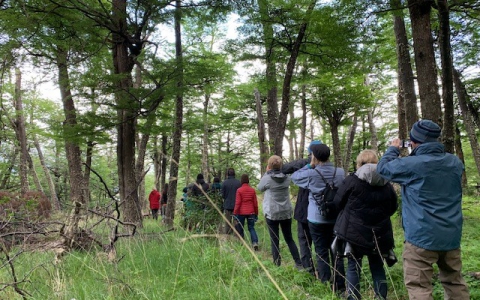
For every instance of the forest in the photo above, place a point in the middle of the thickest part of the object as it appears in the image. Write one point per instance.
(101, 100)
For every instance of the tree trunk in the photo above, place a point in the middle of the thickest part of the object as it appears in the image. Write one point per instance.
(425, 60)
(459, 153)
(163, 175)
(351, 138)
(177, 135)
(303, 128)
(72, 149)
(205, 169)
(336, 143)
(263, 145)
(51, 185)
(293, 154)
(448, 130)
(33, 173)
(467, 120)
(282, 118)
(123, 66)
(270, 72)
(407, 98)
(20, 132)
(373, 131)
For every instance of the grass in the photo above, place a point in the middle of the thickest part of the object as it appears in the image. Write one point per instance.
(160, 264)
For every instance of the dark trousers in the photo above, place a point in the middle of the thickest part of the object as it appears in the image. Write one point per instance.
(273, 229)
(322, 235)
(155, 214)
(354, 269)
(305, 243)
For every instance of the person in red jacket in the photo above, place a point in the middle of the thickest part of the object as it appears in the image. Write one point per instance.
(246, 208)
(154, 199)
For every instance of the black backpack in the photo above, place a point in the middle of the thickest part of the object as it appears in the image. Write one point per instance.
(324, 199)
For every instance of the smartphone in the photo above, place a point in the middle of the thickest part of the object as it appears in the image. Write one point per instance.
(405, 144)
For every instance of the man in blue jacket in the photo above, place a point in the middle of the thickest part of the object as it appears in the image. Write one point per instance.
(432, 218)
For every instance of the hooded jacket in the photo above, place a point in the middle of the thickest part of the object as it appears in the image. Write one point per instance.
(366, 201)
(309, 179)
(154, 199)
(431, 194)
(276, 200)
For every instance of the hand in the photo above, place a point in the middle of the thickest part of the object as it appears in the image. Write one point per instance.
(312, 162)
(396, 142)
(255, 218)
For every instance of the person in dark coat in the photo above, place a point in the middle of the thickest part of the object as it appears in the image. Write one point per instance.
(366, 202)
(229, 192)
(301, 210)
(199, 186)
(164, 200)
(216, 186)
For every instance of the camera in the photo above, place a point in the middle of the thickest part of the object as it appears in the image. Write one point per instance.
(405, 144)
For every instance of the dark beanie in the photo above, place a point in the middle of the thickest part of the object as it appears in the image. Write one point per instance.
(314, 142)
(425, 131)
(199, 176)
(320, 151)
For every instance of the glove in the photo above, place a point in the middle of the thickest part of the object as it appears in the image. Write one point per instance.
(255, 217)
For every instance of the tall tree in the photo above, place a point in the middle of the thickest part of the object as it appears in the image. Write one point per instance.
(21, 133)
(426, 67)
(177, 135)
(463, 96)
(406, 98)
(448, 130)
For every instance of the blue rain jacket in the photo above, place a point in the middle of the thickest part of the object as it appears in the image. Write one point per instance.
(431, 187)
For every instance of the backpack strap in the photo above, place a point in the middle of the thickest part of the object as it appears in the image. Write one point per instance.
(323, 178)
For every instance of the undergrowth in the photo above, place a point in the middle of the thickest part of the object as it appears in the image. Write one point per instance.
(162, 264)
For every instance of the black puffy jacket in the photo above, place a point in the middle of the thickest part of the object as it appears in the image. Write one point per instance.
(366, 202)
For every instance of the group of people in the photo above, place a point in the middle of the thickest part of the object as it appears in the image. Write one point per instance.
(431, 195)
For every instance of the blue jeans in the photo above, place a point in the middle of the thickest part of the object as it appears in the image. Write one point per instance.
(354, 270)
(273, 229)
(250, 224)
(322, 236)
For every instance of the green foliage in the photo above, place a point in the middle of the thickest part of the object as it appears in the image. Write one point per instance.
(179, 264)
(200, 213)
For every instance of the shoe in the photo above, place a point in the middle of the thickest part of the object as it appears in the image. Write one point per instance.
(255, 247)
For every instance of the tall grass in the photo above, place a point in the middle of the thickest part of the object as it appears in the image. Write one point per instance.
(161, 264)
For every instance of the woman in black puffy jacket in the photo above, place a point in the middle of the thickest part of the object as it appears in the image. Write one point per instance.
(367, 201)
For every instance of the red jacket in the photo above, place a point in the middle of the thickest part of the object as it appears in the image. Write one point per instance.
(154, 199)
(246, 201)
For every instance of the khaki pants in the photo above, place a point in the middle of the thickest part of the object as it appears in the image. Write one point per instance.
(418, 273)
